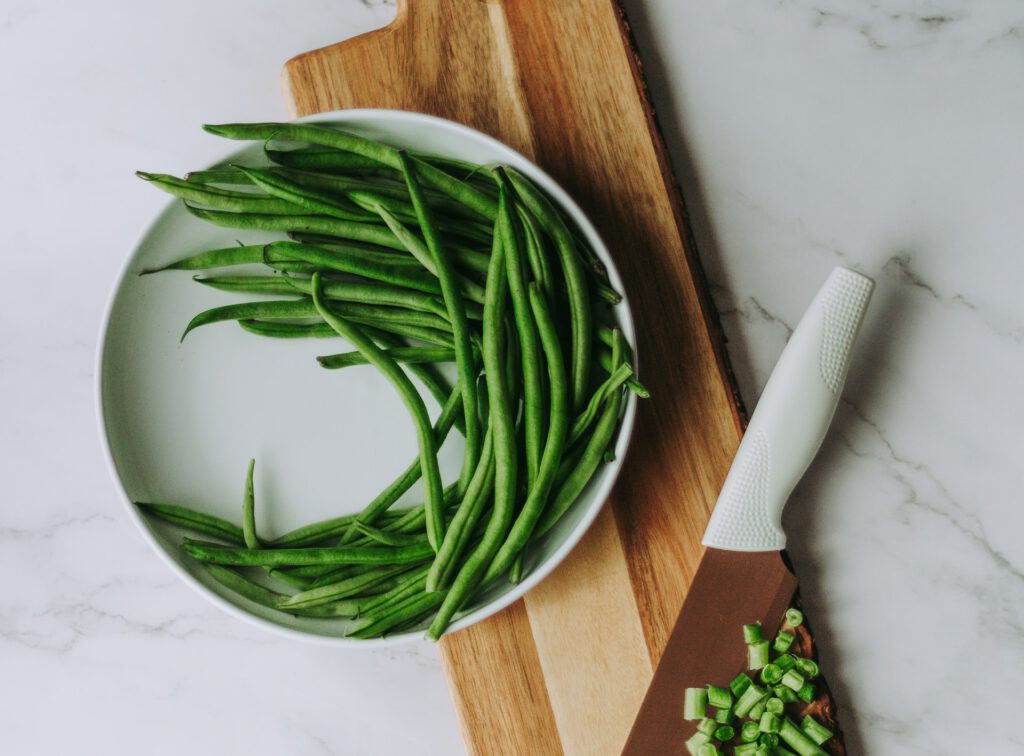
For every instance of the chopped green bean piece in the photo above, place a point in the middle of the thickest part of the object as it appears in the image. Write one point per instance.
(748, 700)
(793, 679)
(769, 740)
(725, 732)
(695, 702)
(794, 617)
(740, 683)
(808, 668)
(815, 730)
(758, 654)
(807, 692)
(784, 694)
(796, 739)
(785, 662)
(694, 744)
(720, 698)
(782, 642)
(771, 674)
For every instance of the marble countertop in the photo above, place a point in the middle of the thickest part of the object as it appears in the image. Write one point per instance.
(882, 136)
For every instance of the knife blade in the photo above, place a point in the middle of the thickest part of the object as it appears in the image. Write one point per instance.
(744, 575)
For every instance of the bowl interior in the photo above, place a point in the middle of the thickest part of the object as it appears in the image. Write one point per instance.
(181, 420)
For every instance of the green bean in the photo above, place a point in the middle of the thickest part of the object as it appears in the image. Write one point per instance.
(604, 358)
(587, 417)
(285, 330)
(386, 538)
(228, 176)
(342, 140)
(467, 515)
(515, 574)
(554, 444)
(416, 247)
(473, 260)
(308, 199)
(220, 199)
(509, 231)
(368, 252)
(433, 501)
(581, 473)
(216, 258)
(348, 608)
(539, 265)
(297, 308)
(451, 165)
(324, 574)
(341, 184)
(193, 520)
(347, 184)
(248, 284)
(245, 587)
(362, 232)
(329, 575)
(575, 280)
(340, 261)
(428, 374)
(410, 583)
(325, 529)
(291, 330)
(249, 510)
(411, 608)
(305, 308)
(607, 293)
(293, 581)
(371, 200)
(291, 266)
(502, 426)
(453, 288)
(273, 600)
(411, 522)
(230, 555)
(341, 589)
(426, 335)
(371, 293)
(311, 159)
(398, 354)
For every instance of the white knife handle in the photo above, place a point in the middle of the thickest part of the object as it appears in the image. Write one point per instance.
(791, 418)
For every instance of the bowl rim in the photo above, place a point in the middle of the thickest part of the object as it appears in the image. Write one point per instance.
(540, 571)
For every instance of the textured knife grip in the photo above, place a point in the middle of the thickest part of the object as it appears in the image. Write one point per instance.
(791, 418)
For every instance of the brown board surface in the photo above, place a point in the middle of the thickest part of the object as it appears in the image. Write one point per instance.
(565, 669)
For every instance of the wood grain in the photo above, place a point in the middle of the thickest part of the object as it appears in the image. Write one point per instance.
(565, 671)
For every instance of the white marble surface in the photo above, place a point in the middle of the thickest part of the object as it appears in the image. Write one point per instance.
(884, 136)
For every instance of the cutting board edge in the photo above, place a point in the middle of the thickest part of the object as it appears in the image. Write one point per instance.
(712, 319)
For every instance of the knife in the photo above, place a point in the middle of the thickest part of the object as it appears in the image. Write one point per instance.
(744, 575)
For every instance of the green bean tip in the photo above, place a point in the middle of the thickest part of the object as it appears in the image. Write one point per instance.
(638, 388)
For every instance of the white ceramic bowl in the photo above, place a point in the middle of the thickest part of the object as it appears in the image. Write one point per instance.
(180, 421)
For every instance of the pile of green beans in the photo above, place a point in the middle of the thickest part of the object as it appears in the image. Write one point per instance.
(414, 261)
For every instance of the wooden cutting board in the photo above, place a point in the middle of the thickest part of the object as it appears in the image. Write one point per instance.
(564, 670)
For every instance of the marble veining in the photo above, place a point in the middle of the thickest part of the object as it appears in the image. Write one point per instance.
(882, 136)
